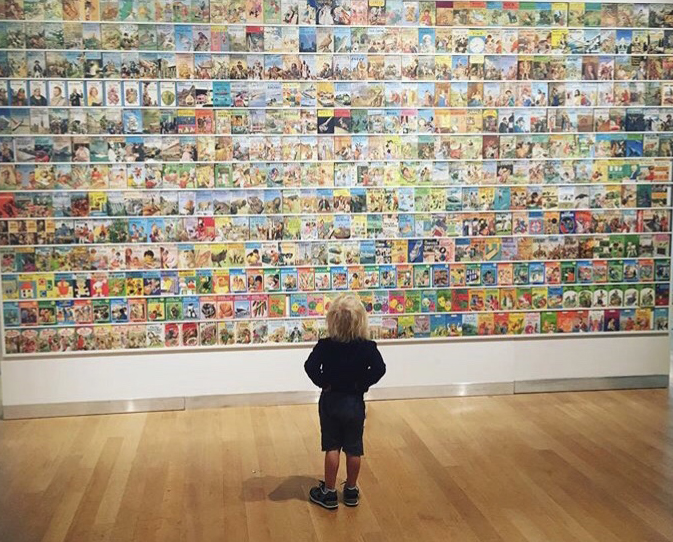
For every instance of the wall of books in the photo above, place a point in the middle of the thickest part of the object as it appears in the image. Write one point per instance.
(179, 174)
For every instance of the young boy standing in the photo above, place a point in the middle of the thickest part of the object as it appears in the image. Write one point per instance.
(344, 365)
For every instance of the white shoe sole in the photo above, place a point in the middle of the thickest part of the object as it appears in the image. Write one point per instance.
(326, 506)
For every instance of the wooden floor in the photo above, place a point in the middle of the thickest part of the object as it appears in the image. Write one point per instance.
(574, 466)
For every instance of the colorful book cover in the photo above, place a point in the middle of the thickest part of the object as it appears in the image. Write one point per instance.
(277, 306)
(421, 326)
(174, 308)
(65, 312)
(156, 309)
(101, 311)
(460, 300)
(44, 286)
(611, 320)
(83, 311)
(190, 308)
(405, 327)
(339, 278)
(516, 322)
(469, 324)
(396, 302)
(190, 334)
(381, 302)
(11, 314)
(428, 301)
(137, 310)
(412, 301)
(298, 305)
(316, 306)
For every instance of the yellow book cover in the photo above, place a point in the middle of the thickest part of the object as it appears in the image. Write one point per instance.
(98, 203)
(516, 323)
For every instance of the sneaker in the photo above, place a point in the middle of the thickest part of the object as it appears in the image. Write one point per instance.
(322, 496)
(351, 496)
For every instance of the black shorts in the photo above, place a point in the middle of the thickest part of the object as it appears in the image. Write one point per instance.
(342, 422)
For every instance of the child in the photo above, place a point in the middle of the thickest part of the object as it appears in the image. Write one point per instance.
(345, 365)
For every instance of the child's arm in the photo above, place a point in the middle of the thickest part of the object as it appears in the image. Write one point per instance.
(313, 366)
(376, 367)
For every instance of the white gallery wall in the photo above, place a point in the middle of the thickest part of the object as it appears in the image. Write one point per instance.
(250, 371)
(414, 367)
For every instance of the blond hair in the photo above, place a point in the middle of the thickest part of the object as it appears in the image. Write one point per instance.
(347, 319)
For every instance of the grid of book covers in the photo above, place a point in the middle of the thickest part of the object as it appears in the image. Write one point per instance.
(193, 173)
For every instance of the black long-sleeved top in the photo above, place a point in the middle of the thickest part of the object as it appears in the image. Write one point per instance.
(345, 366)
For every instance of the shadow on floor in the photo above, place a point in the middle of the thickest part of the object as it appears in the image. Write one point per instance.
(282, 489)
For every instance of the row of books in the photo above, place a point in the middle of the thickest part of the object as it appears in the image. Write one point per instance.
(392, 122)
(140, 310)
(31, 259)
(311, 67)
(259, 331)
(105, 284)
(330, 227)
(349, 12)
(160, 177)
(310, 201)
(105, 98)
(343, 148)
(339, 39)
(122, 310)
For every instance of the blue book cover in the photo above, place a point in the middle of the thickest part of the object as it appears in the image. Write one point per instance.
(65, 312)
(406, 226)
(221, 94)
(151, 283)
(489, 274)
(502, 198)
(237, 280)
(454, 324)
(241, 307)
(190, 308)
(388, 276)
(119, 311)
(438, 325)
(536, 272)
(339, 276)
(289, 279)
(298, 305)
(567, 222)
(367, 252)
(11, 314)
(428, 301)
(137, 230)
(440, 275)
(415, 251)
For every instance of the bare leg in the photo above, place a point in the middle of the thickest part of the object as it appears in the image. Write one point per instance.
(331, 468)
(352, 470)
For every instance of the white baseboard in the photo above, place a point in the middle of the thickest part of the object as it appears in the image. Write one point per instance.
(12, 412)
(591, 384)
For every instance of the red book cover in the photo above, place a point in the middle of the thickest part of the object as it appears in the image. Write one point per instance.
(172, 335)
(459, 300)
(501, 323)
(190, 334)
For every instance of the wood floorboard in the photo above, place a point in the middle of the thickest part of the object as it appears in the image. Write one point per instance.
(592, 466)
